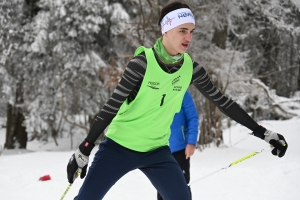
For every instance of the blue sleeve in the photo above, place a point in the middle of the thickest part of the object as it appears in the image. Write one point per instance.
(192, 119)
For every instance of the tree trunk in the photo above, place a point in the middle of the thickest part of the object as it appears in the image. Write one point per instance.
(9, 142)
(220, 37)
(211, 126)
(16, 135)
(21, 131)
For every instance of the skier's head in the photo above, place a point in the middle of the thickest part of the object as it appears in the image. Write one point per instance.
(177, 25)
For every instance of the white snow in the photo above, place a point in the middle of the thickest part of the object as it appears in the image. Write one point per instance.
(261, 177)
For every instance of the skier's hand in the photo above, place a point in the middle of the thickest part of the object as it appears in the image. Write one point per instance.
(79, 161)
(189, 150)
(275, 139)
(77, 164)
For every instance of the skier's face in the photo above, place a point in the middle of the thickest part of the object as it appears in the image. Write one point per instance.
(177, 40)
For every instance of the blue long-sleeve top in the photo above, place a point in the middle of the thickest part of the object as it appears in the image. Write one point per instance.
(184, 128)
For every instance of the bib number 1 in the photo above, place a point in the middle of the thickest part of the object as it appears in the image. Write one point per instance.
(162, 99)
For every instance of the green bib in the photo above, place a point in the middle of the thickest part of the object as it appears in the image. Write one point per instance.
(144, 124)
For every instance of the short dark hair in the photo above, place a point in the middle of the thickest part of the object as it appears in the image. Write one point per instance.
(169, 8)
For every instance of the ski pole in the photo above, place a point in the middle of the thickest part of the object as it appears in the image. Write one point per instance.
(231, 164)
(69, 186)
(64, 194)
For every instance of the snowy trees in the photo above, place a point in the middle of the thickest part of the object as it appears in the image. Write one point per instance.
(239, 42)
(60, 60)
(271, 33)
(52, 66)
(12, 72)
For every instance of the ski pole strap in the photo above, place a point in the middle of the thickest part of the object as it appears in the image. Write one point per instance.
(66, 191)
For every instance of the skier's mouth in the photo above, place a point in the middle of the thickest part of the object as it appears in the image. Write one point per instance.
(185, 45)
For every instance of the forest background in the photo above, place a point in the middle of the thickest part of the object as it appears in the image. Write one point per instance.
(60, 60)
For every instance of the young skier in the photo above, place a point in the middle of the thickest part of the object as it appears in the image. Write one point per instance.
(184, 135)
(141, 109)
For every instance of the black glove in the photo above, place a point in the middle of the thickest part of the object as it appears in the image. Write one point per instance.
(275, 139)
(79, 161)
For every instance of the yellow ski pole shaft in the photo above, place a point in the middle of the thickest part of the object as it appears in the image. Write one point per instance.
(233, 163)
(68, 188)
(243, 158)
(66, 191)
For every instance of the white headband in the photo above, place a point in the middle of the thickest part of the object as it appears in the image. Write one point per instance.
(176, 18)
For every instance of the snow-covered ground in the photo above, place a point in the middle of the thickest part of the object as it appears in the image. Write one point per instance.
(261, 177)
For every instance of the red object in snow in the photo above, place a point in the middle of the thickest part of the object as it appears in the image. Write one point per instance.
(45, 178)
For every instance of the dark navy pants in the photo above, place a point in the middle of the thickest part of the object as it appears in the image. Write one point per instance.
(184, 165)
(112, 161)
